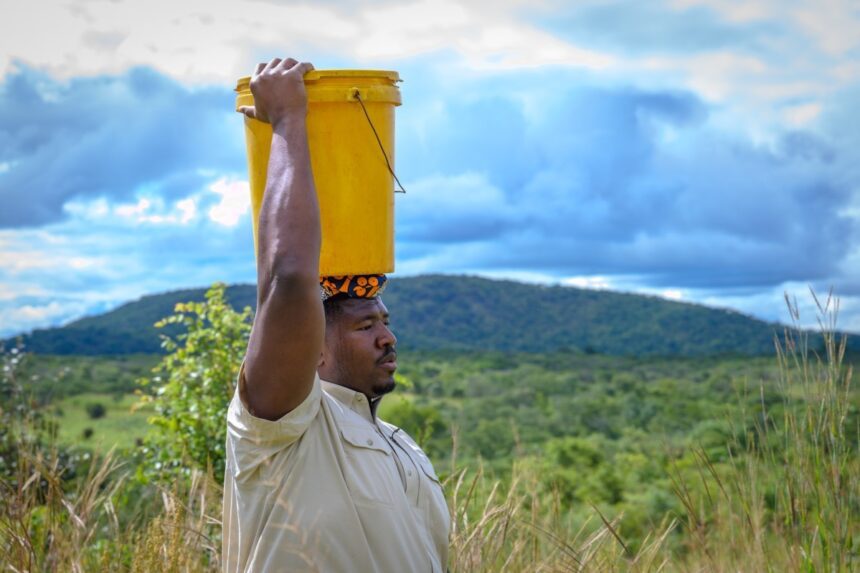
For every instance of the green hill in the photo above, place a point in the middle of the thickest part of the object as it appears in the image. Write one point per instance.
(439, 312)
(443, 312)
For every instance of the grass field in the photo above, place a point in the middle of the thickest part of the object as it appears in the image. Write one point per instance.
(119, 426)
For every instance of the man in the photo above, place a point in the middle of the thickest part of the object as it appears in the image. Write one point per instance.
(314, 481)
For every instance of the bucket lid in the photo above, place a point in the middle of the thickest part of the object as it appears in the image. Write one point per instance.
(244, 83)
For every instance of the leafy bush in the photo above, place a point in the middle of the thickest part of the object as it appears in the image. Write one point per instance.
(423, 422)
(192, 386)
(579, 470)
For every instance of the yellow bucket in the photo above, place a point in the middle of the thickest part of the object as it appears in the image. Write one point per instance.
(354, 184)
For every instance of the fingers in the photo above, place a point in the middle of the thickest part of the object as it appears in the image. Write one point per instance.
(286, 64)
(303, 68)
(249, 111)
(271, 65)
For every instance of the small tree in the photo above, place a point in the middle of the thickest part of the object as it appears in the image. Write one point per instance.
(192, 386)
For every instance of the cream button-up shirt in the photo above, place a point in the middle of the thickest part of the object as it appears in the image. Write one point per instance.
(329, 488)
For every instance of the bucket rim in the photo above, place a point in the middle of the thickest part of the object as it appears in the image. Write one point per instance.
(244, 83)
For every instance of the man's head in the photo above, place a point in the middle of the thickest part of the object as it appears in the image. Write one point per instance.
(359, 350)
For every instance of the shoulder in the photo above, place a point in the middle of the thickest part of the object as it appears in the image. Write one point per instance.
(391, 429)
(415, 450)
(338, 412)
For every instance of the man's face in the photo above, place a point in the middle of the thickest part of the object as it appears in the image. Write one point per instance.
(359, 348)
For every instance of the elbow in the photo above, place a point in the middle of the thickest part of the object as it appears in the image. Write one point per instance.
(291, 269)
(289, 261)
(286, 276)
(292, 281)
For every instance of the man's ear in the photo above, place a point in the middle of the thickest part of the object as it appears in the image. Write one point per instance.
(324, 354)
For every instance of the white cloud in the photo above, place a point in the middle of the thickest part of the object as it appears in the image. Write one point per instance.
(799, 116)
(518, 275)
(9, 291)
(234, 204)
(713, 75)
(205, 41)
(198, 41)
(624, 284)
(91, 210)
(732, 10)
(104, 254)
(14, 320)
(188, 209)
(135, 211)
(151, 210)
(18, 258)
(512, 47)
(833, 24)
(673, 294)
(84, 263)
(595, 282)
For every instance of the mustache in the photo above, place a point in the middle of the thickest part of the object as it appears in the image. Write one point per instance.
(391, 354)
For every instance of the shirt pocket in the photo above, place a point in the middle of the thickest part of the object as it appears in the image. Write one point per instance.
(370, 472)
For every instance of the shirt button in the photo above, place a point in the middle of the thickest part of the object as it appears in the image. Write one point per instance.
(409, 473)
(369, 442)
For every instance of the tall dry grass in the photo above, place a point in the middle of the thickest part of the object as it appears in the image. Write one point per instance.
(45, 527)
(520, 528)
(789, 500)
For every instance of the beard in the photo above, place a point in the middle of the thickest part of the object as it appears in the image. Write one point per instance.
(368, 383)
(384, 387)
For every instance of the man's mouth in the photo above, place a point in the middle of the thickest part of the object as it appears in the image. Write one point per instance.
(389, 361)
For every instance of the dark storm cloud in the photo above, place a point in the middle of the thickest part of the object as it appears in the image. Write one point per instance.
(107, 136)
(618, 181)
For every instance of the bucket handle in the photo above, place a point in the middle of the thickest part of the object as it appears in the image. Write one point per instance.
(356, 95)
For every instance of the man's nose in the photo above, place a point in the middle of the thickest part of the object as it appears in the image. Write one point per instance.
(387, 337)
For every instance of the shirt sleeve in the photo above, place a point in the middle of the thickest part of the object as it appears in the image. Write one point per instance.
(253, 441)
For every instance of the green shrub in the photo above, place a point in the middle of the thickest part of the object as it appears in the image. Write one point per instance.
(192, 386)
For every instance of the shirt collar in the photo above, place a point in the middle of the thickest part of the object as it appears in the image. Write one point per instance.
(355, 401)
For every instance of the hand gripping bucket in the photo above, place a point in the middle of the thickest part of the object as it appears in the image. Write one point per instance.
(352, 169)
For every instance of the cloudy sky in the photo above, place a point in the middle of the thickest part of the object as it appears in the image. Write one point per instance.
(702, 150)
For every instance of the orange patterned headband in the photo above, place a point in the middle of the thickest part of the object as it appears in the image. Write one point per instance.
(353, 286)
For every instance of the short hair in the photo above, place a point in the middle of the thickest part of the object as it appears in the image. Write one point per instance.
(333, 307)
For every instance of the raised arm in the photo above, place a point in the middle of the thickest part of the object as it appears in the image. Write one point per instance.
(289, 327)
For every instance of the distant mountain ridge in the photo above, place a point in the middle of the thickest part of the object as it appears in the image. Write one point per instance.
(444, 312)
